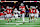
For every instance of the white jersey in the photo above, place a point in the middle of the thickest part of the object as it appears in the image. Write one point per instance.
(16, 15)
(37, 12)
(15, 11)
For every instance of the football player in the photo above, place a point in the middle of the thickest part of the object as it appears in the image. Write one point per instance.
(31, 12)
(22, 12)
(9, 11)
(37, 14)
(15, 13)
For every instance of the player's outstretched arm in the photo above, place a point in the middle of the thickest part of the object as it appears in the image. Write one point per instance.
(27, 7)
(4, 9)
(36, 6)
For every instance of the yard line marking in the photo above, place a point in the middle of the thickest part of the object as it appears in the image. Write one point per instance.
(12, 18)
(19, 25)
(32, 23)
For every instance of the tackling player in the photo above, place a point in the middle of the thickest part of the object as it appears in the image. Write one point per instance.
(8, 15)
(31, 13)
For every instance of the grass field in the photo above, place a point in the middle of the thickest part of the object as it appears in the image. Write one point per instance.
(14, 23)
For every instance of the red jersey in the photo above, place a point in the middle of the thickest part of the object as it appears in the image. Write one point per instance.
(32, 11)
(22, 9)
(35, 11)
(9, 11)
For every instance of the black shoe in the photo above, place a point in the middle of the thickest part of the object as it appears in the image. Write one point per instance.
(8, 21)
(11, 20)
(23, 22)
(15, 19)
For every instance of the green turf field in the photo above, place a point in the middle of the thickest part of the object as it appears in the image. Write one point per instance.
(14, 23)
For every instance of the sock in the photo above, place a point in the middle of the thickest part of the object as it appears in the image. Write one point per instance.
(23, 19)
(5, 19)
(29, 20)
(8, 20)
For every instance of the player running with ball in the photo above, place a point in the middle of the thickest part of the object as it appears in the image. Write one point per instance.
(22, 12)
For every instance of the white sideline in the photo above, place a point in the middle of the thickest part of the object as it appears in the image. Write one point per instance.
(3, 18)
(13, 23)
(19, 25)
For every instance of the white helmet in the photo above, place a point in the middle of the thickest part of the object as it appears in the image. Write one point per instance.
(26, 5)
(7, 7)
(15, 9)
(30, 6)
(33, 7)
(22, 4)
(10, 7)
